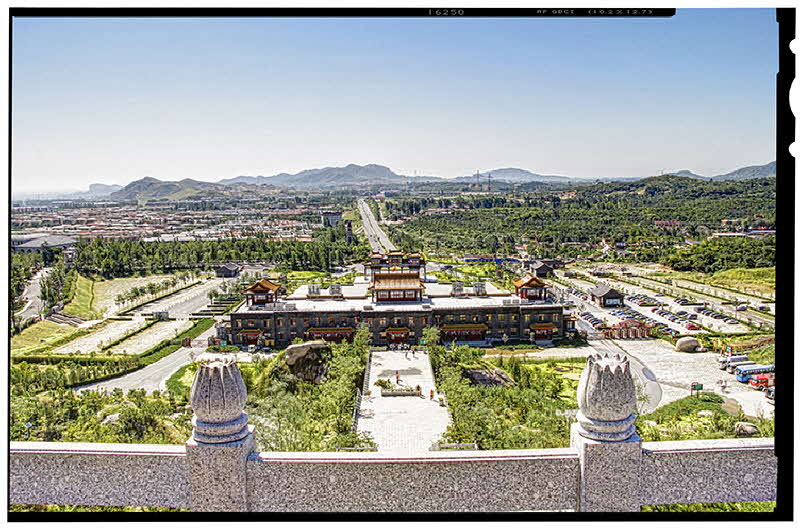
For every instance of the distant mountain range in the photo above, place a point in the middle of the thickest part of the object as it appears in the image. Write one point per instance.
(518, 175)
(350, 176)
(748, 172)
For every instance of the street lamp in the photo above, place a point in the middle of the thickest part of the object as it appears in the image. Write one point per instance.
(28, 427)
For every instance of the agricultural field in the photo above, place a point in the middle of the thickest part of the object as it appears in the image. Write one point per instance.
(151, 337)
(96, 341)
(38, 335)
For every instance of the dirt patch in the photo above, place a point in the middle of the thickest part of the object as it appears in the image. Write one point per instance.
(731, 406)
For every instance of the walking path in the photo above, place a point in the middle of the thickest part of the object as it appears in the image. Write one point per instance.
(155, 375)
(402, 425)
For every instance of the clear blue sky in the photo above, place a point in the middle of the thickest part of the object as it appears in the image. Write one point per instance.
(113, 100)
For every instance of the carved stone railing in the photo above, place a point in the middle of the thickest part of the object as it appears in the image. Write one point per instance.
(607, 467)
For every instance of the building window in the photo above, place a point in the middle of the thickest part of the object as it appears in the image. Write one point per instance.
(514, 317)
(527, 318)
(398, 321)
(382, 322)
(475, 318)
(462, 318)
(357, 319)
(449, 318)
(251, 322)
(410, 321)
(292, 322)
(279, 321)
(501, 317)
(305, 321)
(238, 323)
(267, 322)
(541, 318)
(331, 321)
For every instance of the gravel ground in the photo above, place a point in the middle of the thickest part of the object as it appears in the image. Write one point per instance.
(182, 304)
(151, 337)
(93, 342)
(106, 291)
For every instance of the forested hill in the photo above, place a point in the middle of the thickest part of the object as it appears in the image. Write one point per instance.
(651, 215)
(676, 187)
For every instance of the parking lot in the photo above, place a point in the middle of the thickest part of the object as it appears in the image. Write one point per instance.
(681, 315)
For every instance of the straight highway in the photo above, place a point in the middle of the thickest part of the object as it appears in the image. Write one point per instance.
(377, 238)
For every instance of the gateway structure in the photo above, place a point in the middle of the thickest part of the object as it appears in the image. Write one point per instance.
(397, 304)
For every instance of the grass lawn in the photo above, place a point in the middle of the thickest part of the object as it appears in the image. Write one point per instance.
(82, 304)
(180, 383)
(305, 275)
(39, 334)
(481, 271)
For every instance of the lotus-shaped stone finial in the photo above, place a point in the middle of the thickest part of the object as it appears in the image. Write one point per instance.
(217, 397)
(606, 399)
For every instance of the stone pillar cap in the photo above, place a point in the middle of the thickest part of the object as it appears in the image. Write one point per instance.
(217, 397)
(607, 398)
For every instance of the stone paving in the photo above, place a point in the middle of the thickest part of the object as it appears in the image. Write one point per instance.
(676, 371)
(402, 425)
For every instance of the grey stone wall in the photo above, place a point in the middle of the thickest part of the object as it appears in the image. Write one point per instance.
(714, 470)
(505, 480)
(148, 475)
(508, 480)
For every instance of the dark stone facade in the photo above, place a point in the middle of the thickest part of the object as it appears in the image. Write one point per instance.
(280, 326)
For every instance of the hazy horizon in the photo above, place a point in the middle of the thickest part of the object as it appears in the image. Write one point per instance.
(113, 100)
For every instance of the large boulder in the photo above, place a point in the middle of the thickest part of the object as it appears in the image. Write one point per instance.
(687, 344)
(489, 377)
(746, 429)
(306, 360)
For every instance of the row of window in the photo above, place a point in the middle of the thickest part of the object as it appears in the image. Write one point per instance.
(280, 322)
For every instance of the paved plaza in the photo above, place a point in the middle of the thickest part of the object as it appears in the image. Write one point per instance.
(402, 425)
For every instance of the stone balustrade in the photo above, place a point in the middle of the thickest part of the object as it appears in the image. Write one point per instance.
(607, 467)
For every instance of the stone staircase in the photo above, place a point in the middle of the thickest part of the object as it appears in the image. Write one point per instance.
(70, 320)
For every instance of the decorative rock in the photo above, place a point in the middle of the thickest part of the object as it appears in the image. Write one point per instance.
(489, 378)
(687, 344)
(705, 413)
(746, 429)
(305, 360)
(294, 352)
(607, 399)
(110, 419)
(217, 397)
(650, 423)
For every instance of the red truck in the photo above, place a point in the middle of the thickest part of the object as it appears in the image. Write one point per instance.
(761, 381)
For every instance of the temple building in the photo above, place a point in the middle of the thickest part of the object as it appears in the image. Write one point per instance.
(262, 292)
(396, 287)
(396, 304)
(394, 262)
(606, 297)
(530, 288)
